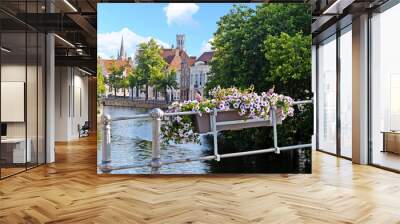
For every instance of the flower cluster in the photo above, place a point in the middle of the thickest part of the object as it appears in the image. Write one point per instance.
(179, 130)
(251, 105)
(247, 103)
(204, 106)
(282, 104)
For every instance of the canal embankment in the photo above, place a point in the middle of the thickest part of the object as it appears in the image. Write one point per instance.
(135, 103)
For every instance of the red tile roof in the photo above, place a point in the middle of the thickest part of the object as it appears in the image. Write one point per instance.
(206, 57)
(192, 60)
(106, 63)
(168, 55)
(174, 58)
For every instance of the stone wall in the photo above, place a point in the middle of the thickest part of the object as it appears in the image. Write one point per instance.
(127, 102)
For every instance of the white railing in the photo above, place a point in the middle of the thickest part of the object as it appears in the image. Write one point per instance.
(156, 115)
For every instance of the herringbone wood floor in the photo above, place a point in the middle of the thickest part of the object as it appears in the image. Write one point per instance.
(70, 191)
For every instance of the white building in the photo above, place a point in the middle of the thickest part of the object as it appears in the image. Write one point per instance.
(199, 72)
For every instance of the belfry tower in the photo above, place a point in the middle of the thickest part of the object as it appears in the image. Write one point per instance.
(180, 41)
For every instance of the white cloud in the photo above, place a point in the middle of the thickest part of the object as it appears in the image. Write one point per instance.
(180, 13)
(206, 46)
(108, 44)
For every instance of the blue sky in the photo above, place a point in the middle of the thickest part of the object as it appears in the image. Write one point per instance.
(139, 22)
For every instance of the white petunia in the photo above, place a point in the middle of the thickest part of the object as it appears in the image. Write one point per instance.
(178, 119)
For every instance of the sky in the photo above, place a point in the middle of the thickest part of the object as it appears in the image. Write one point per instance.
(138, 22)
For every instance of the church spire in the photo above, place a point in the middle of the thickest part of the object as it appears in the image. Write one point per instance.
(122, 52)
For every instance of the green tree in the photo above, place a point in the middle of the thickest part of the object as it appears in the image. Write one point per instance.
(150, 64)
(289, 59)
(239, 58)
(168, 81)
(101, 87)
(134, 81)
(269, 46)
(124, 84)
(116, 76)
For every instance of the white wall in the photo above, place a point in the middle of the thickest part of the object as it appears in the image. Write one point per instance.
(71, 102)
(81, 94)
(62, 81)
(12, 73)
(33, 126)
(198, 72)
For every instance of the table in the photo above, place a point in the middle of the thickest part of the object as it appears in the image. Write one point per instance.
(13, 150)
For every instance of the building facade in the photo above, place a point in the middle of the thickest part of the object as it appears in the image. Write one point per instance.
(178, 60)
(192, 72)
(199, 72)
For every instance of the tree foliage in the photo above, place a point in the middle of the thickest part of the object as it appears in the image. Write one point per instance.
(134, 81)
(288, 57)
(168, 81)
(124, 84)
(116, 76)
(101, 87)
(150, 70)
(150, 65)
(239, 43)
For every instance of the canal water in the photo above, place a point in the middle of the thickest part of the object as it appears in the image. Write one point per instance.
(131, 144)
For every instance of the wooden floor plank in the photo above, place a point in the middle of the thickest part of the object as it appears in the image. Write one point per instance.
(70, 191)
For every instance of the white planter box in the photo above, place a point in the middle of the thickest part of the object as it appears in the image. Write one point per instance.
(229, 120)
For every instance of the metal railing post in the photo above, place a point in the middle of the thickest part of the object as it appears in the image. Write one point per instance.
(156, 115)
(213, 122)
(106, 146)
(277, 150)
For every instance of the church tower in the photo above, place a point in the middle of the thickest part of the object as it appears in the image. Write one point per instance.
(122, 53)
(180, 41)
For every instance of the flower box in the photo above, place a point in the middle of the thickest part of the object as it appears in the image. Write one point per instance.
(237, 109)
(229, 120)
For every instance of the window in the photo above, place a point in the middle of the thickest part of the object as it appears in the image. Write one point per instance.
(327, 95)
(385, 89)
(346, 92)
(22, 75)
